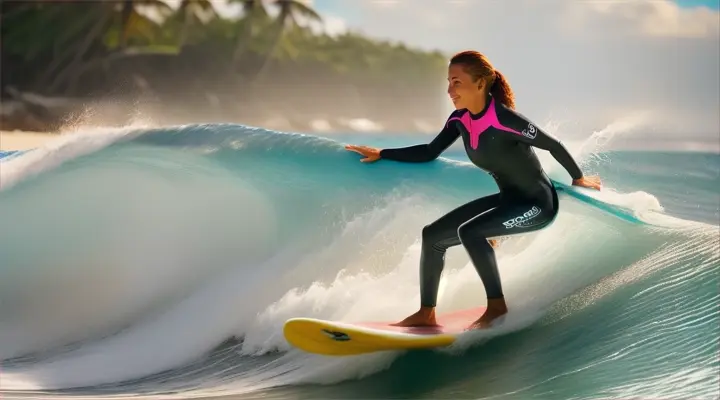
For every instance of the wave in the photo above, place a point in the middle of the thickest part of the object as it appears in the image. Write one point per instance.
(130, 257)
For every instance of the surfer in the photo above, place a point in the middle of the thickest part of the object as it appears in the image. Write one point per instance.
(500, 141)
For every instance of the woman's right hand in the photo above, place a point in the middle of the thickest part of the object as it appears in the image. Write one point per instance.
(592, 182)
(371, 154)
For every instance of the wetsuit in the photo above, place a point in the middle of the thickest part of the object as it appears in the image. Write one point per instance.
(499, 141)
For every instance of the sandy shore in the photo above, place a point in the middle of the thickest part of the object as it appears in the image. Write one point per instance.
(20, 140)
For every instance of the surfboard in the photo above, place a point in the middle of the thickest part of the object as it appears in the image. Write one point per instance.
(588, 196)
(337, 338)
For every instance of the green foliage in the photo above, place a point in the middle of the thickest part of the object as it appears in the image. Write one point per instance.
(57, 42)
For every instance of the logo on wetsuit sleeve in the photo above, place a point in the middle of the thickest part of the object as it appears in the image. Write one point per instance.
(530, 132)
(523, 220)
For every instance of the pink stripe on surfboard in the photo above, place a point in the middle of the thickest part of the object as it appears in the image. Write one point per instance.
(453, 322)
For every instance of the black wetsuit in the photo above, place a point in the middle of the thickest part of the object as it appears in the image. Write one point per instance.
(498, 140)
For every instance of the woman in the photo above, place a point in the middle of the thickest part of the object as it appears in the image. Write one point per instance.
(498, 140)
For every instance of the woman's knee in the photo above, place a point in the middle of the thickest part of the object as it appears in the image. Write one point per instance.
(437, 238)
(468, 233)
(428, 234)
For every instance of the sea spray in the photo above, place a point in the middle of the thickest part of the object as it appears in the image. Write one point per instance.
(199, 234)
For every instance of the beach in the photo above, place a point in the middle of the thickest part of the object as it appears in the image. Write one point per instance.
(22, 140)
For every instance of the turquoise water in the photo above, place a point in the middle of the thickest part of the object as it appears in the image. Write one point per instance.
(164, 261)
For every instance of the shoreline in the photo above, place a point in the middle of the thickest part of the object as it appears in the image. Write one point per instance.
(24, 140)
(13, 140)
(33, 113)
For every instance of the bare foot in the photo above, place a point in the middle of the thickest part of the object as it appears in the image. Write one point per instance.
(493, 243)
(424, 317)
(495, 308)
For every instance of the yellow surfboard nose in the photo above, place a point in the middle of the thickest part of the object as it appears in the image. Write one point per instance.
(344, 339)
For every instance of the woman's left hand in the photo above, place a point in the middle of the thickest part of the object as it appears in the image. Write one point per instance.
(371, 154)
(592, 182)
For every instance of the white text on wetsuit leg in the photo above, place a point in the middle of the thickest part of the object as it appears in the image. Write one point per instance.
(524, 219)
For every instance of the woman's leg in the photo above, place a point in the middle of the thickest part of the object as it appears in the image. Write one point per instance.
(437, 237)
(508, 219)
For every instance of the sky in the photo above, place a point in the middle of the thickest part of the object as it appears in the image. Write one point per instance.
(583, 64)
(715, 4)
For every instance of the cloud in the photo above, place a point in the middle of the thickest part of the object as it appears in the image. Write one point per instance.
(657, 18)
(588, 62)
(331, 25)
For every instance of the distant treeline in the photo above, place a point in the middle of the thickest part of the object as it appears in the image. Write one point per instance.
(261, 59)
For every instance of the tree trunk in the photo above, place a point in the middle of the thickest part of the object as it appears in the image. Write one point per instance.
(82, 51)
(244, 38)
(268, 57)
(187, 22)
(126, 13)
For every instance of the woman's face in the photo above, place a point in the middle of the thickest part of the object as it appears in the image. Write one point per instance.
(461, 88)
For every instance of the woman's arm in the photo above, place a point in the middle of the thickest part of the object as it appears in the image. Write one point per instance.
(424, 152)
(528, 133)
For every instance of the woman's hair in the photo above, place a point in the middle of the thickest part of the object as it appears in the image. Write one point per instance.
(479, 67)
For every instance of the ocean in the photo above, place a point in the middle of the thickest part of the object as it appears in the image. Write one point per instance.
(162, 262)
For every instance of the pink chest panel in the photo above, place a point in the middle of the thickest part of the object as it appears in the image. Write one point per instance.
(476, 127)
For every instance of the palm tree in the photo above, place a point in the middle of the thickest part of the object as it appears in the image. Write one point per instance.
(290, 10)
(253, 11)
(132, 24)
(190, 12)
(68, 34)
